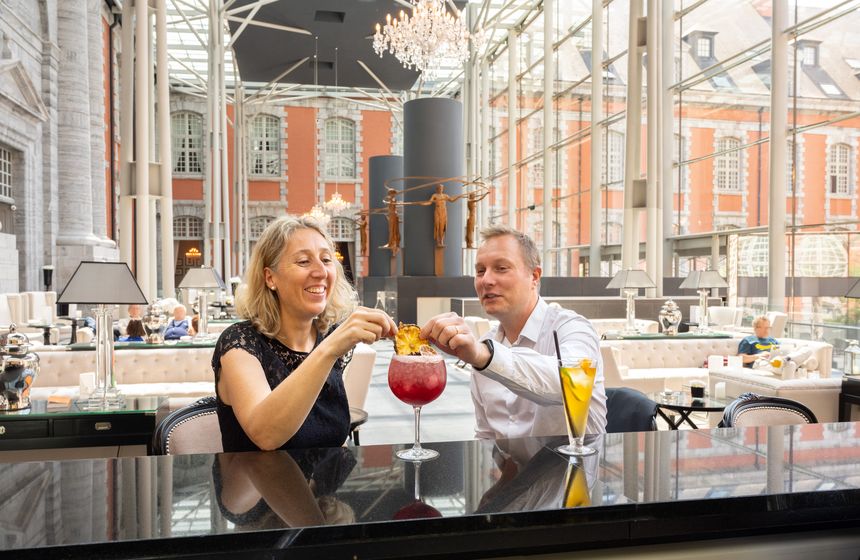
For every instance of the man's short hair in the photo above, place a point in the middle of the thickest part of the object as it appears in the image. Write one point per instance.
(759, 320)
(531, 254)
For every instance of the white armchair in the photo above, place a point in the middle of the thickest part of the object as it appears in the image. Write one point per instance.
(725, 317)
(777, 323)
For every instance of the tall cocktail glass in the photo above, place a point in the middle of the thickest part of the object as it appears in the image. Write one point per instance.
(577, 382)
(576, 486)
(417, 380)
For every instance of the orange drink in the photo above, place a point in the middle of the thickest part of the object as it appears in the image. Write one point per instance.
(577, 382)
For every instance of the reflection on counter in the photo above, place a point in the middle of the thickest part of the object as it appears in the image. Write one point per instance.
(67, 503)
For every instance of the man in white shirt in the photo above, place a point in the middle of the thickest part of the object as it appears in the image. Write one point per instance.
(516, 388)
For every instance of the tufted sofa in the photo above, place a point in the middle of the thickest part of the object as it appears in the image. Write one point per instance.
(821, 394)
(173, 372)
(653, 365)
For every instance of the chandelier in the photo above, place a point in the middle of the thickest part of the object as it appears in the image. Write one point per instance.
(336, 204)
(318, 214)
(427, 38)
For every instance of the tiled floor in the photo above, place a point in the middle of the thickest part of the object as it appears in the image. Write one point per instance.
(449, 418)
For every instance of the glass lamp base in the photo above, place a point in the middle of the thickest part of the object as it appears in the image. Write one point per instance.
(110, 399)
(572, 450)
(416, 454)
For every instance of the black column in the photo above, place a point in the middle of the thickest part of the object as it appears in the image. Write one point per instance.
(432, 146)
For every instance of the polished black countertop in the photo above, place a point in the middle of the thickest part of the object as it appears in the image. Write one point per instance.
(480, 498)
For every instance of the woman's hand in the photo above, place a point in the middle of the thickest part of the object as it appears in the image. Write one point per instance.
(363, 325)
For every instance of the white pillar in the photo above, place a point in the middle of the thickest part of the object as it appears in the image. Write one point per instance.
(630, 244)
(654, 244)
(165, 156)
(667, 72)
(549, 268)
(486, 118)
(73, 112)
(513, 114)
(778, 138)
(227, 270)
(126, 135)
(596, 134)
(97, 118)
(141, 146)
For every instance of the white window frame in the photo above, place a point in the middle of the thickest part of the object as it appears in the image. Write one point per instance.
(187, 143)
(340, 148)
(705, 47)
(839, 169)
(258, 224)
(187, 227)
(5, 173)
(727, 166)
(265, 146)
(341, 229)
(809, 55)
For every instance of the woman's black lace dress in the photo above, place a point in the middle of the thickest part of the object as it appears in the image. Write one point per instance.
(327, 423)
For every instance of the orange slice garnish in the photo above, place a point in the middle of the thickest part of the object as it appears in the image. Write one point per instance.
(408, 342)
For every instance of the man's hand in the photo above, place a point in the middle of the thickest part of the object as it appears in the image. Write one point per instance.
(450, 333)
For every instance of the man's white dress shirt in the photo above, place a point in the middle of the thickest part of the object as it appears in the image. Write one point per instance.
(519, 393)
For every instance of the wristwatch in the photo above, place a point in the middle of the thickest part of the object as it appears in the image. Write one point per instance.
(490, 347)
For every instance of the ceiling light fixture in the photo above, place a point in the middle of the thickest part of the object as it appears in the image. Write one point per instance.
(428, 38)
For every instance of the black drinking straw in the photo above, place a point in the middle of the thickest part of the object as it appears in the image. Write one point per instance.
(557, 348)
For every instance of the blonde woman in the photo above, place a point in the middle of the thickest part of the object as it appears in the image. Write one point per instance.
(278, 374)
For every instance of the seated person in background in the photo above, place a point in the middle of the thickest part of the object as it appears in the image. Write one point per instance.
(121, 326)
(758, 345)
(279, 373)
(179, 326)
(515, 383)
(134, 332)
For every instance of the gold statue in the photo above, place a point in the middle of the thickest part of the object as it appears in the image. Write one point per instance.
(440, 212)
(472, 207)
(361, 224)
(393, 244)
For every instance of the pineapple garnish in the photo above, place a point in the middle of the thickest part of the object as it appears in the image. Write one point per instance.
(408, 342)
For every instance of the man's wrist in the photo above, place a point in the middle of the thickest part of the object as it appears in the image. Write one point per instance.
(491, 351)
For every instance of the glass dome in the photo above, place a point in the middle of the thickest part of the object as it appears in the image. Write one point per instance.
(822, 255)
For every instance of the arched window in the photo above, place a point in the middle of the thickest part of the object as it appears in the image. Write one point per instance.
(839, 169)
(257, 225)
(186, 131)
(339, 148)
(727, 166)
(187, 227)
(341, 229)
(265, 145)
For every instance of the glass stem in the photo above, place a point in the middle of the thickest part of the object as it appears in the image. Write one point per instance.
(417, 444)
(417, 481)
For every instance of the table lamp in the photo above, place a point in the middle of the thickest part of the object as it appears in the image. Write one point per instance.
(202, 279)
(703, 281)
(629, 281)
(103, 284)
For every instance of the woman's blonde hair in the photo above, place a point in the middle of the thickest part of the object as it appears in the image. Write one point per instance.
(257, 303)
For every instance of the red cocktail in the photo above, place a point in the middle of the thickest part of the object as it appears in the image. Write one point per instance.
(417, 380)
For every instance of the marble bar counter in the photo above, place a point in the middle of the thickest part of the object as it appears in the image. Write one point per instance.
(791, 489)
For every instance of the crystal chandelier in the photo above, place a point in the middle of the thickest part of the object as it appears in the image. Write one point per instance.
(336, 204)
(430, 36)
(318, 214)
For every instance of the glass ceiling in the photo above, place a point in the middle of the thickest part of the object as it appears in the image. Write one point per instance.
(188, 30)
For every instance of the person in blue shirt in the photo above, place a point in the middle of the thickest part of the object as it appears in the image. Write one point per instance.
(758, 345)
(179, 326)
(134, 332)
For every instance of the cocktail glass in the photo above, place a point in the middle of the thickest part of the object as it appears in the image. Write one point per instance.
(417, 380)
(577, 382)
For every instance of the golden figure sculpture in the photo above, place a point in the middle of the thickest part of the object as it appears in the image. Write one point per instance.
(361, 224)
(393, 223)
(472, 207)
(440, 212)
